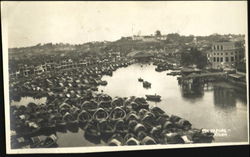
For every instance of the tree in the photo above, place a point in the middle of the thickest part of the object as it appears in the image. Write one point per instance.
(194, 56)
(157, 33)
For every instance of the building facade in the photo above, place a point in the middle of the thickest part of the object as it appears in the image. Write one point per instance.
(226, 54)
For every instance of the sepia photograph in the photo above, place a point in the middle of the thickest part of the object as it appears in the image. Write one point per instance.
(83, 76)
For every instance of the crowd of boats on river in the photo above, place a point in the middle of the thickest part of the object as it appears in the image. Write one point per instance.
(74, 102)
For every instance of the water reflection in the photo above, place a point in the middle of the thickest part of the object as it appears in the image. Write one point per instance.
(192, 88)
(224, 97)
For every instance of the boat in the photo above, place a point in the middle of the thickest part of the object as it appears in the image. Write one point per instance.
(105, 105)
(84, 117)
(117, 114)
(116, 140)
(132, 141)
(92, 130)
(120, 127)
(155, 98)
(90, 106)
(35, 142)
(140, 79)
(148, 141)
(117, 102)
(70, 120)
(100, 115)
(30, 129)
(106, 129)
(146, 84)
(103, 83)
(50, 141)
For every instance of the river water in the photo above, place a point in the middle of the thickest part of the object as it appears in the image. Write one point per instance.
(216, 107)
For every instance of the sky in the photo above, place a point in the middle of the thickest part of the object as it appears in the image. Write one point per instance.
(30, 23)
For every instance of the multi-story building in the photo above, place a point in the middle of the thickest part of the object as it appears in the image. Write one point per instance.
(226, 54)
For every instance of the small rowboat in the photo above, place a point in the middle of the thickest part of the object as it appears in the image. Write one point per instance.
(155, 98)
(140, 79)
(146, 84)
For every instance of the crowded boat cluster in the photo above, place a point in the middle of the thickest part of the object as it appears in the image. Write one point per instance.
(116, 121)
(74, 102)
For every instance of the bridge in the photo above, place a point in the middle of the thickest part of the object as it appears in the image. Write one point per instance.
(204, 75)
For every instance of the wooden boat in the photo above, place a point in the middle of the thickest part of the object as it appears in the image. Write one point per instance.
(116, 140)
(106, 129)
(35, 142)
(70, 120)
(28, 130)
(132, 141)
(120, 127)
(146, 84)
(49, 142)
(173, 138)
(141, 135)
(84, 117)
(103, 83)
(117, 102)
(140, 79)
(132, 124)
(132, 116)
(92, 130)
(117, 114)
(105, 105)
(148, 141)
(155, 98)
(157, 111)
(184, 124)
(139, 127)
(100, 115)
(104, 97)
(201, 137)
(90, 106)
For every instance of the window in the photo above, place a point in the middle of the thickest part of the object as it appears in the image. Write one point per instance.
(226, 59)
(221, 47)
(232, 53)
(218, 59)
(226, 53)
(214, 47)
(221, 59)
(214, 59)
(218, 47)
(221, 54)
(232, 59)
(218, 54)
(236, 57)
(214, 53)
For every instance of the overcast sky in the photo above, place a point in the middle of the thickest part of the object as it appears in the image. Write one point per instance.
(30, 23)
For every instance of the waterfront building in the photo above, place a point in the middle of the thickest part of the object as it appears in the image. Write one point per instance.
(226, 54)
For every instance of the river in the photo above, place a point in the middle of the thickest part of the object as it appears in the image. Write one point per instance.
(216, 107)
